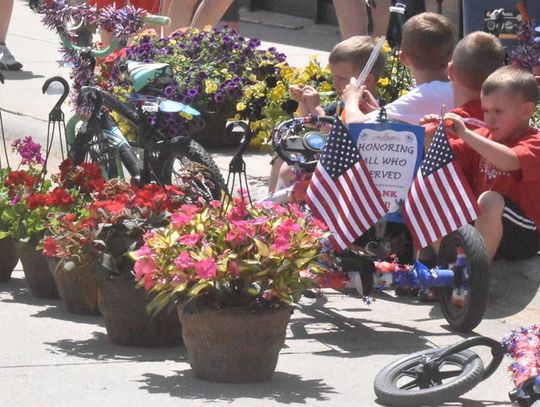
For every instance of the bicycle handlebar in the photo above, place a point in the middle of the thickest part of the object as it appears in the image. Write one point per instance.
(95, 53)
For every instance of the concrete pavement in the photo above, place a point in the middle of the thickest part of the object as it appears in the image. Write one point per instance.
(334, 348)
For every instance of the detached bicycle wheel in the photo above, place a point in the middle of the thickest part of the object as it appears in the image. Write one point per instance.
(187, 152)
(464, 304)
(413, 381)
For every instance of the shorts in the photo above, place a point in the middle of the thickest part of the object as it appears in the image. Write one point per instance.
(520, 237)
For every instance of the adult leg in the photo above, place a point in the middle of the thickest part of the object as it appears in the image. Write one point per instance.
(352, 17)
(7, 61)
(489, 223)
(180, 13)
(209, 12)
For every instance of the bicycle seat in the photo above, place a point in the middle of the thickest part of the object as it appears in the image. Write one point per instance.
(141, 74)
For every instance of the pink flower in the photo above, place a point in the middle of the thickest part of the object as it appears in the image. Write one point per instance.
(286, 228)
(184, 261)
(232, 268)
(205, 268)
(215, 204)
(280, 245)
(143, 270)
(144, 251)
(296, 211)
(180, 219)
(189, 240)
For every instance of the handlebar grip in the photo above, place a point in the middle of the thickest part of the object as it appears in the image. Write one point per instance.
(157, 20)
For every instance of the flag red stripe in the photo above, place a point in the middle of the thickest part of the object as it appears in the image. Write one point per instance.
(426, 217)
(452, 215)
(466, 191)
(319, 204)
(358, 198)
(435, 212)
(419, 230)
(458, 198)
(339, 200)
(376, 205)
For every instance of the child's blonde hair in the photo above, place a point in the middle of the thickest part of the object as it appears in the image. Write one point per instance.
(427, 41)
(356, 51)
(512, 79)
(476, 57)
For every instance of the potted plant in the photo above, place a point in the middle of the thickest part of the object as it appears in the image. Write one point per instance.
(114, 224)
(7, 244)
(74, 280)
(210, 70)
(234, 273)
(26, 201)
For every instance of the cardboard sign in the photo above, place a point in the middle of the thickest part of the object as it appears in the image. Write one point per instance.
(392, 153)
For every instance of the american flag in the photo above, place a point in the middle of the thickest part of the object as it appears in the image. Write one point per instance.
(341, 192)
(440, 199)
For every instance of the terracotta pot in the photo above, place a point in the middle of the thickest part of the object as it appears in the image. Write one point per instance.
(9, 258)
(77, 288)
(234, 345)
(124, 308)
(36, 271)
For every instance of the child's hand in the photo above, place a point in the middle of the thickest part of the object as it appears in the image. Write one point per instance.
(454, 123)
(351, 94)
(368, 103)
(429, 122)
(311, 98)
(296, 92)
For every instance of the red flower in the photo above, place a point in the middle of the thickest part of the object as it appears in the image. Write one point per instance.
(64, 168)
(58, 197)
(15, 178)
(36, 201)
(49, 247)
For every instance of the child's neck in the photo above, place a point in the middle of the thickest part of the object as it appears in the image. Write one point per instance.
(426, 76)
(462, 94)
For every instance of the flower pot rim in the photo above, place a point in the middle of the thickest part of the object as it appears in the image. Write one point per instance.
(235, 309)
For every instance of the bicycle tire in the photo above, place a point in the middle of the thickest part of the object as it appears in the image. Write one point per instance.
(92, 148)
(466, 317)
(432, 390)
(193, 152)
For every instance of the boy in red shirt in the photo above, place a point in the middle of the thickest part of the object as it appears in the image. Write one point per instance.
(502, 163)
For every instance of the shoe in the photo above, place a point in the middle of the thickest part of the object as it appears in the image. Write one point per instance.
(7, 60)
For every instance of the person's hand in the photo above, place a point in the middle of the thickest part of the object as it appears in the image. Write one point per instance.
(351, 94)
(296, 92)
(311, 98)
(454, 123)
(429, 122)
(368, 103)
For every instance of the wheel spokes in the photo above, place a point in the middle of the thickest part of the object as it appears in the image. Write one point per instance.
(449, 374)
(411, 385)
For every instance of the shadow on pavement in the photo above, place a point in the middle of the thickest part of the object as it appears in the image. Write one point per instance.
(20, 293)
(463, 402)
(100, 348)
(19, 75)
(283, 388)
(514, 288)
(350, 337)
(58, 312)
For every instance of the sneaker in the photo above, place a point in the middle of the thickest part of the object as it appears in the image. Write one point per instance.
(7, 60)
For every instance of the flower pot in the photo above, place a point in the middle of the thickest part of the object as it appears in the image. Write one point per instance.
(9, 258)
(36, 271)
(77, 288)
(234, 345)
(127, 322)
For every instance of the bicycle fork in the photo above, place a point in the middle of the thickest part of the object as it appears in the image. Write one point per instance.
(114, 137)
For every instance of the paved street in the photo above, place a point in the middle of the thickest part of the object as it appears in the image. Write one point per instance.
(334, 348)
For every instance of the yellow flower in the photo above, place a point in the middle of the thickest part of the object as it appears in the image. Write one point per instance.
(383, 82)
(303, 78)
(402, 92)
(325, 87)
(277, 93)
(210, 87)
(240, 106)
(386, 47)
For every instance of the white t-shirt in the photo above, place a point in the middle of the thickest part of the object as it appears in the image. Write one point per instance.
(421, 100)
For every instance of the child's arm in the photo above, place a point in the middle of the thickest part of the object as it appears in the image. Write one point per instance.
(501, 156)
(313, 101)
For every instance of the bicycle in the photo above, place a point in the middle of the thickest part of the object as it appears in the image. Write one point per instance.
(460, 273)
(99, 139)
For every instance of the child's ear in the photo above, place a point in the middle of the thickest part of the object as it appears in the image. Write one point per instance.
(403, 58)
(451, 71)
(528, 109)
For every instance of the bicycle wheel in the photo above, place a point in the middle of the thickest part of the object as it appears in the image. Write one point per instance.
(187, 152)
(412, 381)
(464, 304)
(91, 147)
